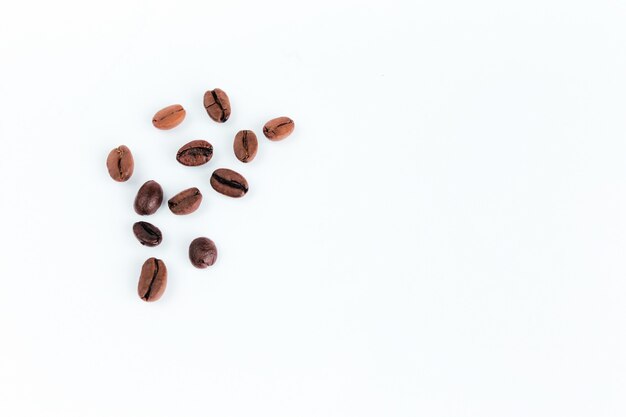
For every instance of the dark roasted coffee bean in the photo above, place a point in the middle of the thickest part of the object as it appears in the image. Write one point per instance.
(279, 128)
(169, 117)
(149, 198)
(120, 163)
(147, 234)
(228, 182)
(186, 201)
(196, 152)
(202, 252)
(217, 105)
(245, 145)
(153, 280)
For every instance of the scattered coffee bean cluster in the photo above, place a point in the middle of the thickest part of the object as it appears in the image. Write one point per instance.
(202, 250)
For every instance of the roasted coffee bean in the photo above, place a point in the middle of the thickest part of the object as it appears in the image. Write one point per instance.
(186, 201)
(169, 117)
(202, 252)
(245, 145)
(149, 198)
(228, 182)
(217, 105)
(153, 280)
(120, 163)
(279, 128)
(196, 152)
(147, 234)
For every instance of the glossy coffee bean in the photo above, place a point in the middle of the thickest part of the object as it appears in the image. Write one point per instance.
(185, 202)
(229, 182)
(120, 164)
(169, 117)
(202, 252)
(217, 105)
(149, 198)
(245, 145)
(279, 128)
(152, 280)
(195, 153)
(147, 234)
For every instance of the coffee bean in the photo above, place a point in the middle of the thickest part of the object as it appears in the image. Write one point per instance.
(217, 105)
(279, 128)
(169, 117)
(185, 202)
(149, 198)
(196, 152)
(147, 234)
(245, 145)
(228, 182)
(202, 252)
(153, 280)
(120, 164)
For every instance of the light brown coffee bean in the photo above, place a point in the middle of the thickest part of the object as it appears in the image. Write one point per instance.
(195, 153)
(217, 105)
(120, 163)
(169, 117)
(245, 145)
(279, 128)
(185, 202)
(152, 280)
(228, 182)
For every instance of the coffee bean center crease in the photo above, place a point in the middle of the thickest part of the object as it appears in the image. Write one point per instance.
(156, 272)
(196, 152)
(174, 204)
(119, 163)
(219, 104)
(267, 130)
(244, 139)
(148, 230)
(230, 183)
(165, 116)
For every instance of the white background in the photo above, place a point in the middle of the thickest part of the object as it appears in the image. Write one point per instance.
(442, 235)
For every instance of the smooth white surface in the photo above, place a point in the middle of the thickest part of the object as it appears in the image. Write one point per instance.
(443, 234)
